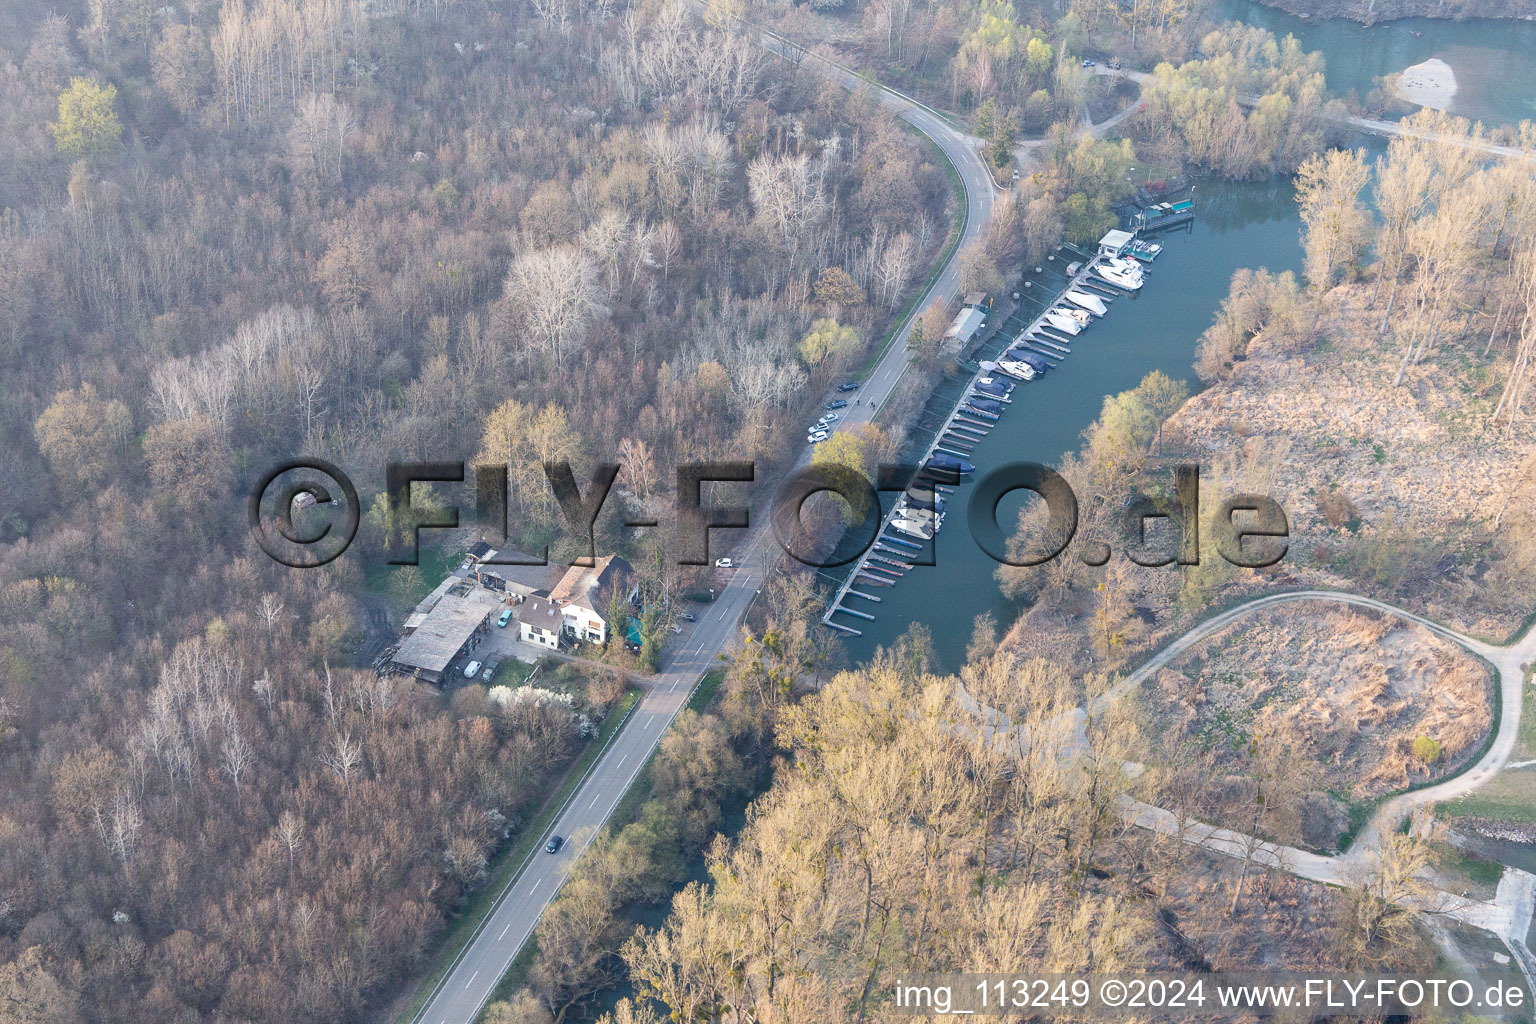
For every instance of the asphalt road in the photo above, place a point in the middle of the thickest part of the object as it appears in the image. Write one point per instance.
(469, 983)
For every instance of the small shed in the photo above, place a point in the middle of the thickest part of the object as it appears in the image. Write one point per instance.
(967, 322)
(978, 300)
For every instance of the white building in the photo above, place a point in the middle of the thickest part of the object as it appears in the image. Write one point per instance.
(539, 622)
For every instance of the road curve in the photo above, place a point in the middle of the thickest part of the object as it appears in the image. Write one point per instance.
(478, 969)
(1508, 661)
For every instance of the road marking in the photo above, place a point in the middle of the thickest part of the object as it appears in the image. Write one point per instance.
(621, 762)
(535, 888)
(595, 799)
(503, 933)
(472, 978)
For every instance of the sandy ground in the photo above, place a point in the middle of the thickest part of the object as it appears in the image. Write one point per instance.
(1430, 84)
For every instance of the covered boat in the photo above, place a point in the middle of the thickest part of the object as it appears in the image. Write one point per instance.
(944, 462)
(1082, 300)
(1065, 324)
(1034, 359)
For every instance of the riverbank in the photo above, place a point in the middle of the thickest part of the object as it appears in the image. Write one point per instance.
(1389, 491)
(1371, 12)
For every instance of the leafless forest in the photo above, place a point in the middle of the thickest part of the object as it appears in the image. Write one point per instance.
(231, 234)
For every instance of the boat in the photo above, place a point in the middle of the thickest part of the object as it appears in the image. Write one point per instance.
(1081, 316)
(980, 395)
(948, 464)
(1082, 300)
(912, 528)
(994, 387)
(922, 515)
(987, 405)
(1034, 359)
(919, 497)
(1062, 323)
(1019, 369)
(1146, 252)
(1161, 216)
(1120, 278)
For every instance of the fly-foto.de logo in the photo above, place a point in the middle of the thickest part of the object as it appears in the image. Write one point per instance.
(305, 512)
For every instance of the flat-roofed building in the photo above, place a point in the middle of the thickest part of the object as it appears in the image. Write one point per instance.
(440, 632)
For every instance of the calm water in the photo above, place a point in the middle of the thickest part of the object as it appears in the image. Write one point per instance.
(1238, 225)
(1249, 224)
(1494, 61)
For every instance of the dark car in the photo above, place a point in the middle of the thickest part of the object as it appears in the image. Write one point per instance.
(1114, 65)
(837, 403)
(554, 844)
(848, 385)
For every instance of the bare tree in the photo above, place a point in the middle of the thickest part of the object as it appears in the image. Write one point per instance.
(554, 293)
(237, 757)
(290, 832)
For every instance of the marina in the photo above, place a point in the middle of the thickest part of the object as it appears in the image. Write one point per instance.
(1085, 294)
(1153, 329)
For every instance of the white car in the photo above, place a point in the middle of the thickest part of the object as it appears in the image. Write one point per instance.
(677, 629)
(724, 563)
(830, 417)
(816, 437)
(470, 669)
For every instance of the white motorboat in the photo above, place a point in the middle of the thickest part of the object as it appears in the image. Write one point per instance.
(1119, 277)
(912, 528)
(1080, 315)
(920, 515)
(1064, 324)
(1015, 368)
(1082, 300)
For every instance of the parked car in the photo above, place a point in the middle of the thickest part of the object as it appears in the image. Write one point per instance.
(837, 403)
(724, 563)
(506, 617)
(677, 629)
(831, 417)
(1114, 65)
(690, 617)
(554, 844)
(816, 437)
(470, 669)
(1087, 63)
(489, 672)
(848, 385)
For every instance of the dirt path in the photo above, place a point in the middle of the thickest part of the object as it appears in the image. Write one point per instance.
(1508, 915)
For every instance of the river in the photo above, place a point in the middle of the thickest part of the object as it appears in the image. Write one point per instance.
(1248, 224)
(1238, 225)
(1494, 61)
